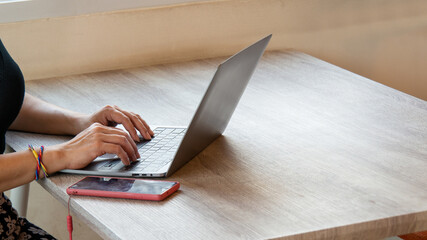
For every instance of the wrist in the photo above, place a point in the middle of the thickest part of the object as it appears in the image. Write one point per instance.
(53, 159)
(80, 122)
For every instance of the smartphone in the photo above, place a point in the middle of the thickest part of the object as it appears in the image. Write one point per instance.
(141, 189)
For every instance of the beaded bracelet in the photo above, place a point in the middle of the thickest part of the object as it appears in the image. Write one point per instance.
(38, 158)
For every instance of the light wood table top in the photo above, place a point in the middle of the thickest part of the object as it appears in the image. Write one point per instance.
(312, 152)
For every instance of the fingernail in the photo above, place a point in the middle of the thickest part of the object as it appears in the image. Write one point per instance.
(139, 156)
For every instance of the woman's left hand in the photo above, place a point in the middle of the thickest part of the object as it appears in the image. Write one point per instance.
(113, 115)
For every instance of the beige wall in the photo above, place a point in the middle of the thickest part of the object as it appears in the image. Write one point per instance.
(384, 40)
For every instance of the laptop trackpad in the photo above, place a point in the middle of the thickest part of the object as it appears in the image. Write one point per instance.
(111, 165)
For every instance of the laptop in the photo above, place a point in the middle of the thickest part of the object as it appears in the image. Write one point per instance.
(172, 147)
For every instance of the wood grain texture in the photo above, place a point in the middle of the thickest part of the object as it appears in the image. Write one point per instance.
(312, 152)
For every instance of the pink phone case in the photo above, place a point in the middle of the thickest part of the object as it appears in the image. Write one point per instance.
(139, 196)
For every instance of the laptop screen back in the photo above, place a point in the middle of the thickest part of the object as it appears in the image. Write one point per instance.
(219, 102)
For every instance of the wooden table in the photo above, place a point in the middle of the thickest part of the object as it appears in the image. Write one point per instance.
(312, 152)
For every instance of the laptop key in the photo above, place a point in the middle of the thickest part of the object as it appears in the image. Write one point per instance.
(158, 151)
(178, 130)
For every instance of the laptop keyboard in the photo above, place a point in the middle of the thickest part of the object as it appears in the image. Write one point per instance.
(158, 151)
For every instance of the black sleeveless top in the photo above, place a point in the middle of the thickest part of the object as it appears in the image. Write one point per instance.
(12, 90)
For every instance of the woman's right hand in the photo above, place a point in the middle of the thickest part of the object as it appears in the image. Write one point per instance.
(95, 141)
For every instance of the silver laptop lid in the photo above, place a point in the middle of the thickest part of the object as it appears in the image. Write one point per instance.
(219, 102)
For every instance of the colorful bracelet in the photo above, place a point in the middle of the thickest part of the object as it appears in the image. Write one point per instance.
(38, 158)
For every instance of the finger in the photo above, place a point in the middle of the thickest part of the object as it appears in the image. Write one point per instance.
(121, 118)
(114, 149)
(136, 120)
(110, 130)
(119, 140)
(145, 124)
(141, 127)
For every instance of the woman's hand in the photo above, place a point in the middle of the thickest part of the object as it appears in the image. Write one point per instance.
(113, 115)
(95, 141)
(42, 117)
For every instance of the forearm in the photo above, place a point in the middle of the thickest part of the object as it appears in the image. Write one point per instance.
(42, 117)
(19, 168)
